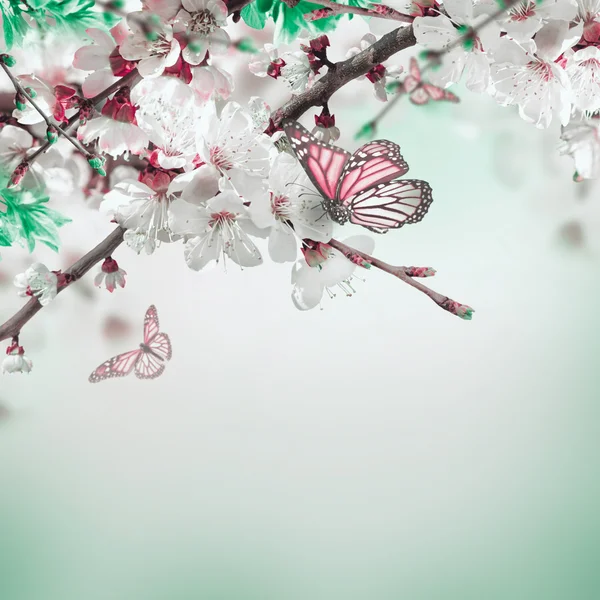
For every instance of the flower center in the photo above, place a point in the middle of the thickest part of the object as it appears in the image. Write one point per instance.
(541, 69)
(522, 12)
(220, 159)
(280, 206)
(220, 219)
(202, 22)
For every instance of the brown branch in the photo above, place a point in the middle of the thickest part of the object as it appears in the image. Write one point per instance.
(345, 71)
(461, 310)
(76, 271)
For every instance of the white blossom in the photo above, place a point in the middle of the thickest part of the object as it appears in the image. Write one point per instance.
(39, 282)
(15, 360)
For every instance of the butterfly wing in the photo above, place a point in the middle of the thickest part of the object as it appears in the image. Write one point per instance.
(413, 79)
(161, 344)
(376, 162)
(322, 162)
(151, 324)
(438, 93)
(149, 366)
(117, 366)
(391, 205)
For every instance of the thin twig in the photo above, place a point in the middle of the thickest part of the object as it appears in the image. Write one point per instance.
(50, 121)
(378, 11)
(456, 308)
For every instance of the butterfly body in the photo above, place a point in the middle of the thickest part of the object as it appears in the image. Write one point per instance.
(148, 361)
(362, 188)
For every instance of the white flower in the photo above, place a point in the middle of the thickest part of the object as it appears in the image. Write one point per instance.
(583, 70)
(39, 282)
(581, 140)
(168, 114)
(210, 82)
(234, 144)
(142, 207)
(588, 14)
(216, 230)
(333, 269)
(297, 72)
(15, 144)
(103, 58)
(531, 79)
(16, 361)
(116, 129)
(267, 62)
(435, 33)
(291, 210)
(111, 275)
(527, 17)
(203, 20)
(155, 55)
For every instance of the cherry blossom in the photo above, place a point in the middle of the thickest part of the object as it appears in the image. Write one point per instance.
(435, 33)
(167, 113)
(297, 71)
(154, 55)
(218, 229)
(581, 140)
(142, 207)
(233, 143)
(103, 58)
(529, 77)
(583, 70)
(329, 269)
(267, 63)
(202, 21)
(116, 129)
(39, 282)
(45, 98)
(290, 209)
(209, 82)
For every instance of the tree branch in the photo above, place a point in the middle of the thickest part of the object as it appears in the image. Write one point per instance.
(76, 271)
(406, 274)
(345, 71)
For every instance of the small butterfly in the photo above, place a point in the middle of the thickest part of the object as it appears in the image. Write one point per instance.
(363, 187)
(420, 92)
(148, 360)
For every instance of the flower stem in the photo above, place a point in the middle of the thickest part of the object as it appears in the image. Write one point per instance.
(379, 11)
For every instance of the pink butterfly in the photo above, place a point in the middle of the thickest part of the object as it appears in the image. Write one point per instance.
(421, 92)
(363, 187)
(148, 360)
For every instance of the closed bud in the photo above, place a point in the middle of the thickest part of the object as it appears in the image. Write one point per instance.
(52, 134)
(8, 60)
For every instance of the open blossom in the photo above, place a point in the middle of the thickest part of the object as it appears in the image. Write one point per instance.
(15, 360)
(297, 71)
(142, 207)
(234, 144)
(588, 15)
(116, 129)
(290, 209)
(435, 33)
(583, 70)
(530, 78)
(102, 57)
(328, 269)
(202, 21)
(167, 113)
(110, 275)
(581, 140)
(154, 54)
(39, 282)
(45, 98)
(524, 19)
(216, 230)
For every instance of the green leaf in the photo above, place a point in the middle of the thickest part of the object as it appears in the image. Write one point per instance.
(253, 17)
(31, 219)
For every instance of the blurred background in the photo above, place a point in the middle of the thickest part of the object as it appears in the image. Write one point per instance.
(376, 448)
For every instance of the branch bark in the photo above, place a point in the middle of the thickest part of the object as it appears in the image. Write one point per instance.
(345, 71)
